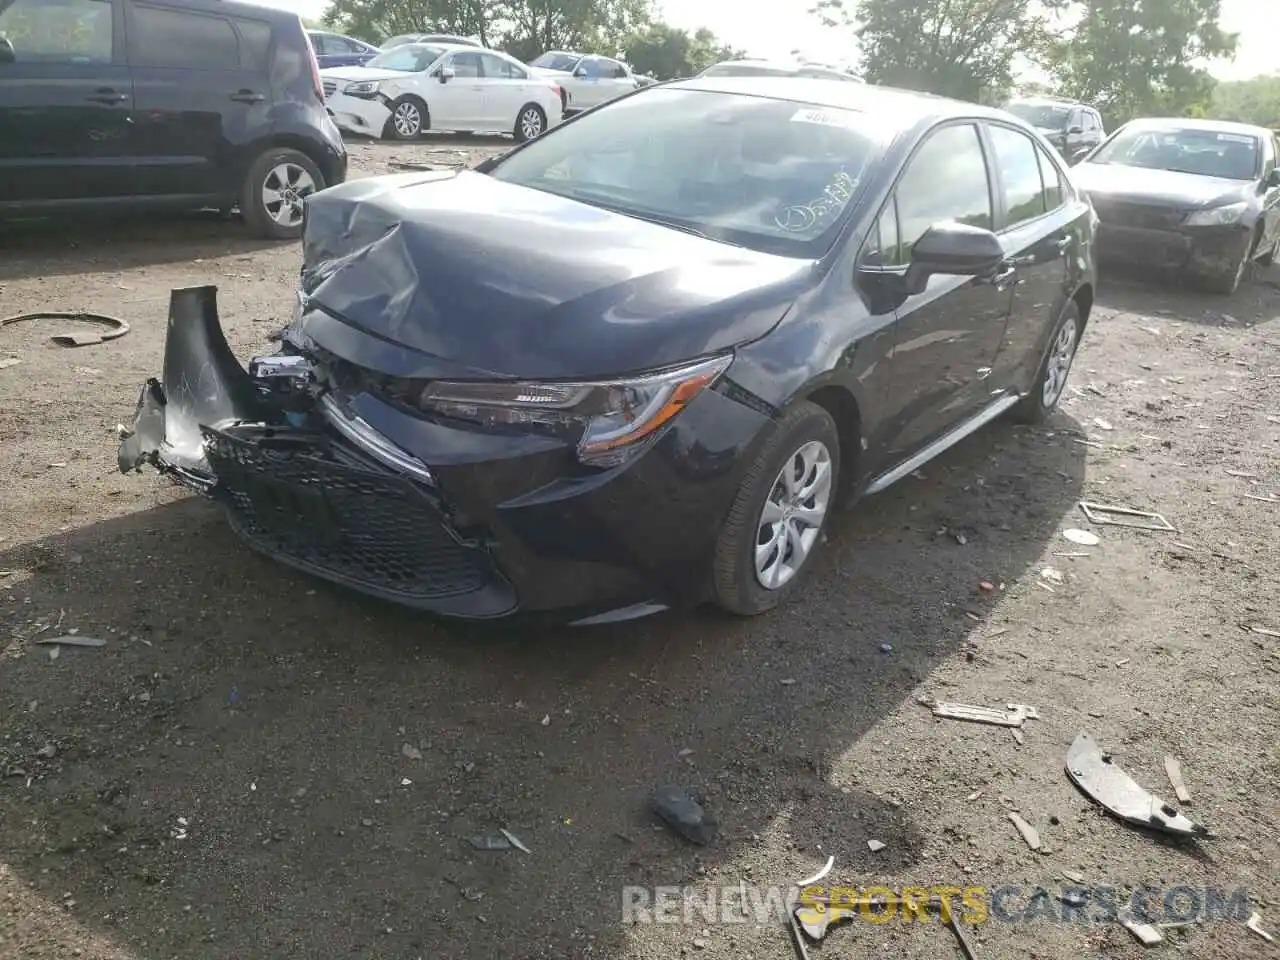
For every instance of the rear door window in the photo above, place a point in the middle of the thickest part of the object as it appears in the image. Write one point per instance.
(255, 43)
(161, 37)
(1015, 158)
(76, 31)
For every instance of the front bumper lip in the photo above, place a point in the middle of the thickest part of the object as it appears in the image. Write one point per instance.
(357, 114)
(1198, 249)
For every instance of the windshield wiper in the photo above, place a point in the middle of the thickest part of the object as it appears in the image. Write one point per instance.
(660, 220)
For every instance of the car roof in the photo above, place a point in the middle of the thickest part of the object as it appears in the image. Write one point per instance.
(904, 108)
(1048, 101)
(1194, 123)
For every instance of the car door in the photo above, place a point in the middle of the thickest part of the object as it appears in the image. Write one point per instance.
(458, 102)
(66, 102)
(1092, 130)
(197, 102)
(588, 89)
(504, 93)
(616, 79)
(1036, 230)
(945, 338)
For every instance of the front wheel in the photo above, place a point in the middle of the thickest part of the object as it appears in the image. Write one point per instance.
(531, 123)
(1051, 379)
(276, 189)
(776, 522)
(408, 118)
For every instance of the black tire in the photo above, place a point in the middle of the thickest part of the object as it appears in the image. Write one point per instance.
(1034, 408)
(1228, 281)
(531, 116)
(1268, 258)
(416, 117)
(273, 171)
(735, 584)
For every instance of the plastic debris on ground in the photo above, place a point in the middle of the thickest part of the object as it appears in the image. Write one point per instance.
(684, 814)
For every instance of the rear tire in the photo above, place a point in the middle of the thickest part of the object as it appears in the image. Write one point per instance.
(276, 189)
(777, 520)
(409, 118)
(1051, 378)
(531, 122)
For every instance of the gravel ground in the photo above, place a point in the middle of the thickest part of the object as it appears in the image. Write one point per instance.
(259, 765)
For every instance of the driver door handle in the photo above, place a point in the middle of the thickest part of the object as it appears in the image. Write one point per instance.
(1004, 277)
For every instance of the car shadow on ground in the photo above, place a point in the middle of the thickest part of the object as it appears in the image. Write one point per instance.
(63, 246)
(1164, 294)
(259, 764)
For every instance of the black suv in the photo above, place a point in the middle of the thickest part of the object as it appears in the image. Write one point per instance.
(1073, 128)
(183, 103)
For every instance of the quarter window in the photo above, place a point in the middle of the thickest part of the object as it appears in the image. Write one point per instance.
(1015, 157)
(499, 68)
(78, 31)
(881, 246)
(946, 180)
(255, 43)
(173, 38)
(1055, 188)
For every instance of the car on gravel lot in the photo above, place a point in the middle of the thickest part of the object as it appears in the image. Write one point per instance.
(585, 80)
(776, 68)
(335, 50)
(451, 38)
(416, 87)
(1073, 128)
(1198, 196)
(630, 365)
(180, 103)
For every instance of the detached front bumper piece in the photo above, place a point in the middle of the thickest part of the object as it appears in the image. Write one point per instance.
(304, 483)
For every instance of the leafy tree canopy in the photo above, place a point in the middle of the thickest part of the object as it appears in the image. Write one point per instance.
(664, 52)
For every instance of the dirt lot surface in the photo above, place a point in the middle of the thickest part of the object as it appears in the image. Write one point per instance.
(259, 765)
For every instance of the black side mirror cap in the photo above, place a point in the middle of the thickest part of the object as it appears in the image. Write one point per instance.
(1071, 131)
(1273, 178)
(955, 249)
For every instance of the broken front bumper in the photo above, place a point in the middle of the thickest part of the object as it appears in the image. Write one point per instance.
(1206, 250)
(318, 490)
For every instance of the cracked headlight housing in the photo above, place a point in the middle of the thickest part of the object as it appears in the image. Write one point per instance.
(362, 88)
(1224, 216)
(612, 420)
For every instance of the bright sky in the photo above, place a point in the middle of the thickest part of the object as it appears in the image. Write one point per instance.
(786, 25)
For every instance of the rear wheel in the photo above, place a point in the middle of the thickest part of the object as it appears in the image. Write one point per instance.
(1051, 379)
(408, 118)
(275, 190)
(776, 522)
(530, 122)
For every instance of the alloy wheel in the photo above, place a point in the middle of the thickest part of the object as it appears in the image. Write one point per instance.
(407, 119)
(284, 191)
(793, 513)
(531, 123)
(1061, 354)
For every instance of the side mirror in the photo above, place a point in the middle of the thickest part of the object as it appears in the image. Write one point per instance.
(1072, 131)
(7, 54)
(1273, 178)
(446, 74)
(580, 72)
(954, 249)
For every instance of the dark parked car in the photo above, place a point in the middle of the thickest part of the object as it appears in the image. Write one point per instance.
(184, 103)
(335, 50)
(1073, 128)
(629, 365)
(1198, 196)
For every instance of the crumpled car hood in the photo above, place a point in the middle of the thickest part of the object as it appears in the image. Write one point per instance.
(443, 274)
(1146, 185)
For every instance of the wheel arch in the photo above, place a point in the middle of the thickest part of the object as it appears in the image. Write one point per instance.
(282, 140)
(841, 403)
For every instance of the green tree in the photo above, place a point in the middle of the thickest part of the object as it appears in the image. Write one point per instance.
(1256, 100)
(377, 20)
(665, 52)
(595, 26)
(957, 48)
(1133, 58)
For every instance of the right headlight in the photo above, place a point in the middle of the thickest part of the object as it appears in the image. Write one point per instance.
(612, 420)
(361, 88)
(1218, 216)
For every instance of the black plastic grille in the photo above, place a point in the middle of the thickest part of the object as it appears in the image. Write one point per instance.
(1140, 215)
(345, 521)
(330, 88)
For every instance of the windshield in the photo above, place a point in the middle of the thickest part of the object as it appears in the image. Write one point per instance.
(1207, 153)
(556, 61)
(1046, 116)
(771, 175)
(409, 58)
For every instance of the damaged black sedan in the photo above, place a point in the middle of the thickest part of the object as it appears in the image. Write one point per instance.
(638, 361)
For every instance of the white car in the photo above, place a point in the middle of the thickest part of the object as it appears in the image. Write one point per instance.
(441, 86)
(587, 80)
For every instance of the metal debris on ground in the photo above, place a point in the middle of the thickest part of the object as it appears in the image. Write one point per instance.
(948, 916)
(1083, 537)
(71, 640)
(1052, 574)
(875, 846)
(1097, 777)
(1250, 496)
(1126, 517)
(1015, 716)
(495, 841)
(115, 327)
(514, 840)
(684, 814)
(809, 881)
(1255, 924)
(1173, 770)
(1265, 632)
(1147, 934)
(1029, 833)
